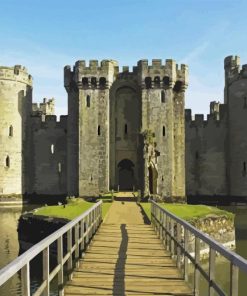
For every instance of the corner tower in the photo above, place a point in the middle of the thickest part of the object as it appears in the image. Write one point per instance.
(16, 107)
(88, 126)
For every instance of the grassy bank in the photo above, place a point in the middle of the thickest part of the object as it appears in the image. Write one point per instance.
(73, 209)
(190, 213)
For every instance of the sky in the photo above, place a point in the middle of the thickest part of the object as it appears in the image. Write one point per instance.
(44, 36)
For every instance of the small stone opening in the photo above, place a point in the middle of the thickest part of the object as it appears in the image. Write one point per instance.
(178, 86)
(244, 168)
(157, 81)
(88, 101)
(59, 167)
(7, 162)
(11, 131)
(148, 82)
(164, 131)
(125, 129)
(197, 155)
(99, 132)
(163, 97)
(94, 82)
(245, 102)
(166, 81)
(85, 81)
(52, 148)
(102, 82)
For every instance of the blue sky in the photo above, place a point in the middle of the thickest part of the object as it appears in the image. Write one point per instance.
(47, 35)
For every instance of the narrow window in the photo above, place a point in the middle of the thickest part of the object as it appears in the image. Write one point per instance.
(197, 155)
(244, 168)
(84, 81)
(163, 97)
(59, 167)
(126, 129)
(11, 131)
(164, 131)
(52, 148)
(245, 102)
(157, 81)
(88, 101)
(7, 162)
(94, 82)
(148, 82)
(98, 130)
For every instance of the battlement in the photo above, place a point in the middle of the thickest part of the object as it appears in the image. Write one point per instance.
(44, 108)
(162, 74)
(216, 117)
(49, 121)
(91, 76)
(17, 73)
(232, 68)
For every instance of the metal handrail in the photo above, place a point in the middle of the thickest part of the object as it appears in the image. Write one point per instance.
(91, 218)
(170, 229)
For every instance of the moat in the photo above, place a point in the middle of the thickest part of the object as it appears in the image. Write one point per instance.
(9, 248)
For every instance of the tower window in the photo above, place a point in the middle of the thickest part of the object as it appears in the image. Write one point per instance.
(11, 131)
(164, 131)
(166, 81)
(157, 81)
(148, 82)
(163, 97)
(59, 167)
(88, 101)
(52, 148)
(7, 162)
(197, 155)
(245, 102)
(102, 82)
(178, 86)
(98, 130)
(93, 82)
(85, 81)
(126, 129)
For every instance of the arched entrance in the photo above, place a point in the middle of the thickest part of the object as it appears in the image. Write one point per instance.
(152, 178)
(126, 174)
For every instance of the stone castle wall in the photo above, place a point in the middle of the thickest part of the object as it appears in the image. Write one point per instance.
(205, 154)
(49, 156)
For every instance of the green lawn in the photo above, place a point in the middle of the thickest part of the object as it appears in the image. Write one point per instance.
(189, 212)
(73, 209)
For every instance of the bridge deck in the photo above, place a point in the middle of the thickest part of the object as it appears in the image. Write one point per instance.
(126, 258)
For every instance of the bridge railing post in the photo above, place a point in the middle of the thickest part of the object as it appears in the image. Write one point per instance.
(25, 280)
(179, 237)
(60, 263)
(196, 270)
(234, 270)
(186, 250)
(77, 250)
(69, 247)
(212, 257)
(46, 272)
(82, 237)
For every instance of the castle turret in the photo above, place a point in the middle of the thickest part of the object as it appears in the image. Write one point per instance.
(88, 125)
(15, 106)
(236, 98)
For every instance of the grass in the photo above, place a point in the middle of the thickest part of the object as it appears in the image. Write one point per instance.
(73, 209)
(190, 213)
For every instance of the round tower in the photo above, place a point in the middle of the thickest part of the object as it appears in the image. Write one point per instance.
(236, 148)
(15, 108)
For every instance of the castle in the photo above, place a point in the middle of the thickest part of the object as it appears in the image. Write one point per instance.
(125, 130)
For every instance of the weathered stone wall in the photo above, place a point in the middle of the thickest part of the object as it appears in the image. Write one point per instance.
(162, 113)
(205, 154)
(49, 156)
(15, 108)
(236, 98)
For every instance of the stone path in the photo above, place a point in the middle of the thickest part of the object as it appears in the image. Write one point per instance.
(126, 258)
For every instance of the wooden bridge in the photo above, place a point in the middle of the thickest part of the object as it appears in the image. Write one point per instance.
(124, 256)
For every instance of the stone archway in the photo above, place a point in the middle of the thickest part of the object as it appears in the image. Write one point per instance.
(126, 174)
(152, 178)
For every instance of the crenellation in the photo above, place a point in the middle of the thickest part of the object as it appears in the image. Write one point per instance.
(17, 73)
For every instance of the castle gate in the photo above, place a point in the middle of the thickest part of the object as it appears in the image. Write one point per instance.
(126, 175)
